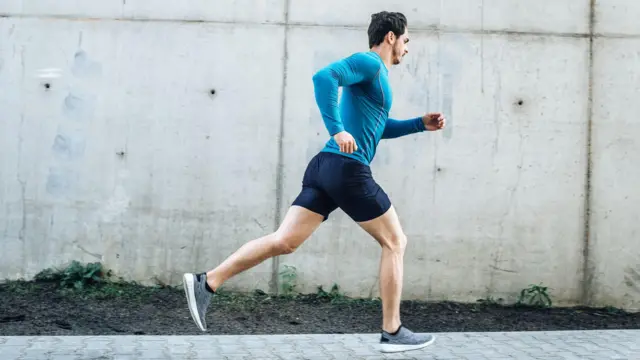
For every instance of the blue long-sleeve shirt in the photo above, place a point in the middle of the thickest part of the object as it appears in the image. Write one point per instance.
(363, 110)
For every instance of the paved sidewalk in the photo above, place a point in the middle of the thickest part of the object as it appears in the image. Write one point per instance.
(596, 345)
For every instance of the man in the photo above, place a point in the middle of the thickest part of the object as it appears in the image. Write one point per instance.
(339, 176)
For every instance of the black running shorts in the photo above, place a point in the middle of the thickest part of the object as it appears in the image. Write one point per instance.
(332, 181)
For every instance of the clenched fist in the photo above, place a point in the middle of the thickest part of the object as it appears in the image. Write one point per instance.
(346, 142)
(434, 121)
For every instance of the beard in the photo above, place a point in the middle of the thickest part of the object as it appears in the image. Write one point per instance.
(397, 56)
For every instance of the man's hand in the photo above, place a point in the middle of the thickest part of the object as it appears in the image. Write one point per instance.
(434, 121)
(346, 142)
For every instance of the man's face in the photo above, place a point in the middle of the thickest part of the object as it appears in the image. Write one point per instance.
(400, 47)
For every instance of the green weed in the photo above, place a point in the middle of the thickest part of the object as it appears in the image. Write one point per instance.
(535, 295)
(75, 275)
(288, 280)
(333, 295)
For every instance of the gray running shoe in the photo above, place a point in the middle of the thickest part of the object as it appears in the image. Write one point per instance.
(404, 340)
(198, 297)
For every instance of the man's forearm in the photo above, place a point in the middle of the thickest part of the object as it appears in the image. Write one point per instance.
(397, 128)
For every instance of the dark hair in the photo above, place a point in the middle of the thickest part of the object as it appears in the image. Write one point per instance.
(382, 23)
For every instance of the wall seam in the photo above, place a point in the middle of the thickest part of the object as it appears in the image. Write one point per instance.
(275, 261)
(587, 271)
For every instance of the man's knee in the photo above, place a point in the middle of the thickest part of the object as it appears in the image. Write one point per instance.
(285, 243)
(396, 242)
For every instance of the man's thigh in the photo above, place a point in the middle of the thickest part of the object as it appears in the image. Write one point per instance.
(386, 228)
(362, 198)
(315, 200)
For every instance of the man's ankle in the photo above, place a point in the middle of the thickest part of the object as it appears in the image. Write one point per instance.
(208, 284)
(392, 330)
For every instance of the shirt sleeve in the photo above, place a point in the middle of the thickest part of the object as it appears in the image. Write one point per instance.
(397, 128)
(354, 69)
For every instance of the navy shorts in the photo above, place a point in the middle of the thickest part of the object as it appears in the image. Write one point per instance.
(332, 181)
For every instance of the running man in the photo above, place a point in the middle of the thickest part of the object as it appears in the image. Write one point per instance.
(340, 176)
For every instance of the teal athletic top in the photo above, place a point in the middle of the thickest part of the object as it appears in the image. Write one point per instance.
(363, 110)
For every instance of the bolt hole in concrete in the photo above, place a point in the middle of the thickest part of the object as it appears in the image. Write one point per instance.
(212, 91)
(47, 85)
(520, 102)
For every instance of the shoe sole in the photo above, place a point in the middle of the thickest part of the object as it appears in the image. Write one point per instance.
(189, 285)
(392, 348)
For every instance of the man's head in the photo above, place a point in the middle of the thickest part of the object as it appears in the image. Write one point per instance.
(388, 31)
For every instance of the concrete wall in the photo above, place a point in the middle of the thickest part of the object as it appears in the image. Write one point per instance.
(129, 159)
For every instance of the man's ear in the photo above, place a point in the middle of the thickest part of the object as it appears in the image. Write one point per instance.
(391, 37)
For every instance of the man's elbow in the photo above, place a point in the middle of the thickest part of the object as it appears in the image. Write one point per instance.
(322, 77)
(318, 77)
